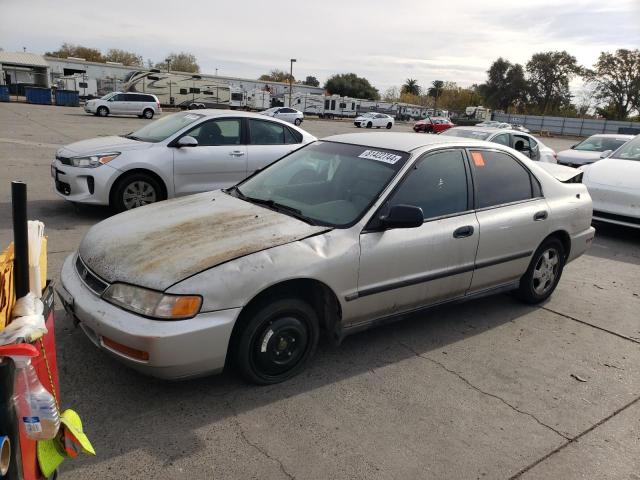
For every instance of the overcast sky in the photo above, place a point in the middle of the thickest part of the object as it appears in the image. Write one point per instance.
(386, 41)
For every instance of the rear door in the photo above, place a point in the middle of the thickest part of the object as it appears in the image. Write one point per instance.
(512, 215)
(219, 160)
(268, 141)
(405, 268)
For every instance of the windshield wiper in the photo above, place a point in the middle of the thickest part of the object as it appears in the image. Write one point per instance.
(279, 207)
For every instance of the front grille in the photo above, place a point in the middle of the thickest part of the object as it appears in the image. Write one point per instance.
(619, 218)
(90, 279)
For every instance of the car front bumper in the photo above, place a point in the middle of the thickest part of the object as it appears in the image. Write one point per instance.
(176, 349)
(83, 185)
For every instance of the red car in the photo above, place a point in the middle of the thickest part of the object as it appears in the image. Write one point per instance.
(433, 125)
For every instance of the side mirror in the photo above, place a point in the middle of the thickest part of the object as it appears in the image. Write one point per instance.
(187, 141)
(403, 216)
(606, 153)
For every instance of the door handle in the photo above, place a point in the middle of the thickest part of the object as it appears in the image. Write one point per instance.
(463, 232)
(541, 215)
(236, 153)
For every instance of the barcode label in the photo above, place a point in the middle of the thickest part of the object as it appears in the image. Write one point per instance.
(32, 424)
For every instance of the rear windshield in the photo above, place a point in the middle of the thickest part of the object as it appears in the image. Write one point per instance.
(165, 127)
(325, 183)
(460, 132)
(630, 150)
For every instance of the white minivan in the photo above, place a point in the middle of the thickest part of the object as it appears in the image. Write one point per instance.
(144, 105)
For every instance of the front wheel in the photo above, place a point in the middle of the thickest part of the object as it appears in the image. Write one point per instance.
(103, 111)
(369, 125)
(389, 125)
(135, 191)
(544, 272)
(278, 340)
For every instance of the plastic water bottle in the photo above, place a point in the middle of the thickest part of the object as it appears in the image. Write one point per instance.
(36, 407)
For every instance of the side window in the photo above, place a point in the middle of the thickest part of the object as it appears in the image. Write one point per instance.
(121, 97)
(217, 132)
(291, 136)
(499, 178)
(266, 133)
(520, 143)
(502, 139)
(438, 185)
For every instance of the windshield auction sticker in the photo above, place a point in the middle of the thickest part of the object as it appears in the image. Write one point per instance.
(385, 157)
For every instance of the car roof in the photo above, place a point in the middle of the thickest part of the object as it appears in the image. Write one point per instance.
(402, 141)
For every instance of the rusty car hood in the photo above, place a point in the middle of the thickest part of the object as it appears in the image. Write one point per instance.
(158, 245)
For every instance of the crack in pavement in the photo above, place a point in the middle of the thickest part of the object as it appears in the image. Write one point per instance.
(478, 389)
(255, 446)
(569, 317)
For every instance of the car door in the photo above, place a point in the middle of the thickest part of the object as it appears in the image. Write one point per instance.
(218, 161)
(269, 141)
(118, 104)
(402, 269)
(512, 215)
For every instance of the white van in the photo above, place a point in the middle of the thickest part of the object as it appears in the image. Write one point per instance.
(144, 105)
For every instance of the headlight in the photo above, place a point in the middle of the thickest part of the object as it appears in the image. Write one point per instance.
(92, 161)
(151, 303)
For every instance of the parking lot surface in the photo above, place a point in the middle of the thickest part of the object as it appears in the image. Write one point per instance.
(487, 389)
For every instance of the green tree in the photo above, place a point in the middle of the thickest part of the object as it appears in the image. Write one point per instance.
(549, 74)
(391, 95)
(616, 78)
(411, 87)
(506, 85)
(180, 62)
(350, 85)
(435, 90)
(70, 50)
(124, 57)
(277, 75)
(311, 81)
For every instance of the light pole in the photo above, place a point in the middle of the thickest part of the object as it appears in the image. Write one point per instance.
(168, 60)
(291, 79)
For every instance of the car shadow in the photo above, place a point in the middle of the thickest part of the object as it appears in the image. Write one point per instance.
(125, 411)
(616, 242)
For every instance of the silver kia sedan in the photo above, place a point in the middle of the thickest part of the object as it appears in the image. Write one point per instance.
(341, 235)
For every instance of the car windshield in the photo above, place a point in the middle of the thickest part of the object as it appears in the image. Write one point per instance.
(369, 115)
(324, 183)
(108, 96)
(600, 144)
(270, 110)
(629, 151)
(461, 132)
(165, 127)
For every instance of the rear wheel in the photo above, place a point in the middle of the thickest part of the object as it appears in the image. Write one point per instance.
(278, 340)
(544, 272)
(103, 111)
(297, 121)
(148, 113)
(136, 190)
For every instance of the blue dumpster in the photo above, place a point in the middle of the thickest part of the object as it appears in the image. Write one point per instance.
(4, 93)
(67, 98)
(38, 95)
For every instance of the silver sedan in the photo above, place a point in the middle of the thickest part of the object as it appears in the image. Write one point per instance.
(341, 235)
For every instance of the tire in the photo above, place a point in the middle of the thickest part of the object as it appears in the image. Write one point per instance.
(369, 125)
(278, 340)
(148, 113)
(297, 122)
(358, 126)
(544, 272)
(389, 125)
(102, 111)
(135, 190)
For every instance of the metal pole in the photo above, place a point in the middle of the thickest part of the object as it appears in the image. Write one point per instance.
(20, 238)
(291, 79)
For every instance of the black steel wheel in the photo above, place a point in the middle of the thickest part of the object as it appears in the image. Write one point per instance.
(278, 340)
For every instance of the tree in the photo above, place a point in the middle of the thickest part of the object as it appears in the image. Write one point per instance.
(435, 90)
(181, 62)
(70, 50)
(411, 86)
(506, 85)
(311, 81)
(616, 78)
(549, 77)
(277, 75)
(391, 95)
(124, 57)
(350, 85)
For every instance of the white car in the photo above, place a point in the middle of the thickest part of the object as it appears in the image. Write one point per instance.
(614, 185)
(290, 115)
(181, 154)
(373, 119)
(144, 105)
(523, 142)
(592, 149)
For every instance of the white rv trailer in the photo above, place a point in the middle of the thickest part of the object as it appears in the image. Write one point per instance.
(79, 82)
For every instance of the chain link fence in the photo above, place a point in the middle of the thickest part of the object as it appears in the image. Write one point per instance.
(579, 127)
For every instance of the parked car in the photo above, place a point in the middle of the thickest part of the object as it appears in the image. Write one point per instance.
(527, 144)
(592, 149)
(144, 105)
(520, 128)
(180, 154)
(614, 184)
(373, 119)
(290, 115)
(433, 125)
(338, 236)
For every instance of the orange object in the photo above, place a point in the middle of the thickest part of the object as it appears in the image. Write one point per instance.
(128, 351)
(478, 160)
